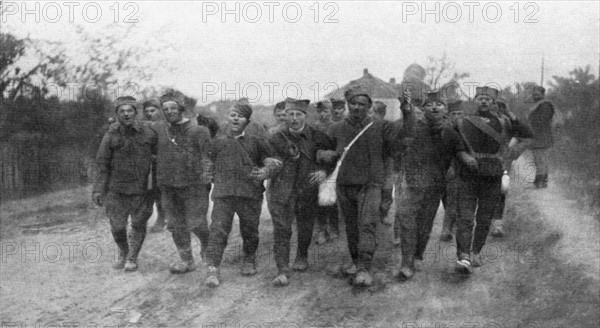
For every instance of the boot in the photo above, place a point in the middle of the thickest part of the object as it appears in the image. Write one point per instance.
(497, 228)
(120, 238)
(183, 243)
(538, 180)
(136, 239)
(213, 279)
(301, 264)
(249, 266)
(446, 234)
(363, 278)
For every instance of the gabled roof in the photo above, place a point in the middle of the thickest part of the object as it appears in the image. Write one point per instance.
(376, 87)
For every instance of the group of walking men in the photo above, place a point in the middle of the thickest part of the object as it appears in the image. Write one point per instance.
(178, 163)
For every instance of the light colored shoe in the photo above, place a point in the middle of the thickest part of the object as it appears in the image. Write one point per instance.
(405, 273)
(321, 238)
(348, 270)
(281, 281)
(130, 266)
(363, 279)
(463, 266)
(213, 279)
(497, 228)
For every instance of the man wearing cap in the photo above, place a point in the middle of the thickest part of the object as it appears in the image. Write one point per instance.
(152, 113)
(377, 113)
(327, 227)
(425, 163)
(540, 118)
(123, 161)
(338, 108)
(450, 198)
(280, 117)
(361, 175)
(480, 172)
(239, 164)
(181, 179)
(294, 191)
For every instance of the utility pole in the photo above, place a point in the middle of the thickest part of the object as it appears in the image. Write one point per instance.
(542, 79)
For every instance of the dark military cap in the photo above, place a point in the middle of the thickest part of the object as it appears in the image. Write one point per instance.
(297, 104)
(337, 103)
(279, 107)
(324, 104)
(433, 97)
(486, 91)
(151, 103)
(243, 108)
(357, 91)
(126, 100)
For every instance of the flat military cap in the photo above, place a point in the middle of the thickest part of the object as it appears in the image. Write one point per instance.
(297, 104)
(539, 89)
(175, 96)
(357, 91)
(279, 107)
(126, 100)
(243, 108)
(324, 104)
(337, 103)
(486, 91)
(433, 97)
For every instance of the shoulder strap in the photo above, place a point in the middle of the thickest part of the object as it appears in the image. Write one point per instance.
(347, 148)
(293, 143)
(461, 130)
(478, 123)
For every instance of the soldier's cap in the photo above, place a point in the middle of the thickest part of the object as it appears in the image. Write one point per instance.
(243, 108)
(324, 104)
(379, 107)
(174, 95)
(455, 106)
(539, 89)
(357, 91)
(279, 107)
(153, 102)
(486, 91)
(433, 97)
(297, 104)
(337, 103)
(126, 100)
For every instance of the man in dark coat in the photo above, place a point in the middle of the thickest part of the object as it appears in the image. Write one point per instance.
(280, 117)
(123, 163)
(480, 172)
(152, 113)
(338, 109)
(239, 164)
(540, 118)
(327, 227)
(294, 191)
(425, 165)
(362, 175)
(180, 177)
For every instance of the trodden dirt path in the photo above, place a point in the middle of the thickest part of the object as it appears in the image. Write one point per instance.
(544, 273)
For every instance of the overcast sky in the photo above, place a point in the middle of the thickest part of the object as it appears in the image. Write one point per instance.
(287, 48)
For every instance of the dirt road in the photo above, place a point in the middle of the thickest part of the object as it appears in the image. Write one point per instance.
(544, 273)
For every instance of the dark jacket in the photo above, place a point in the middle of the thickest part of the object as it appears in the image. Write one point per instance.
(486, 146)
(233, 160)
(427, 158)
(124, 158)
(294, 175)
(364, 163)
(540, 119)
(179, 157)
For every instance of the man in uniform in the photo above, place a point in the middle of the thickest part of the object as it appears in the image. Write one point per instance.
(450, 199)
(240, 163)
(480, 173)
(280, 117)
(377, 113)
(180, 177)
(338, 108)
(540, 118)
(294, 191)
(327, 227)
(362, 175)
(123, 163)
(152, 113)
(425, 164)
